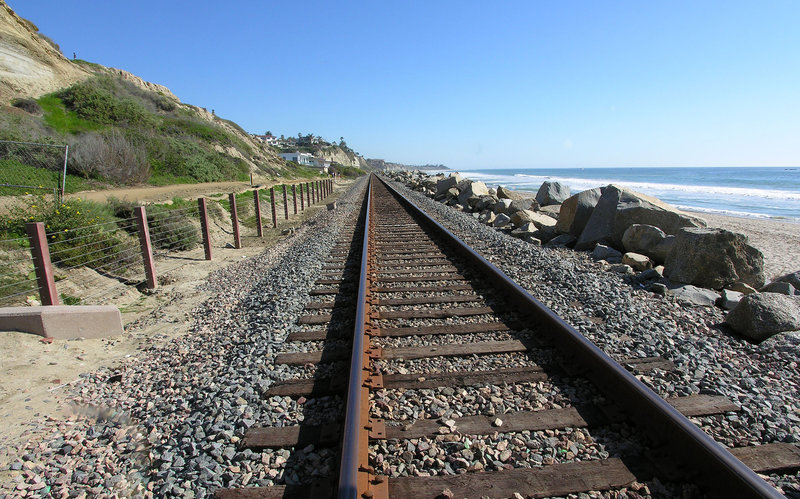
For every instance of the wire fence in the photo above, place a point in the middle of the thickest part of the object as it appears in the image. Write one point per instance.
(31, 166)
(94, 263)
(18, 275)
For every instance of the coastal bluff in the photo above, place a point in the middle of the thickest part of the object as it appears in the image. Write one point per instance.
(650, 244)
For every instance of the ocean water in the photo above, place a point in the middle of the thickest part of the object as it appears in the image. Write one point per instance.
(755, 192)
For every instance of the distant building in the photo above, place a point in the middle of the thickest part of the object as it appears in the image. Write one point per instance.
(268, 139)
(301, 158)
(321, 163)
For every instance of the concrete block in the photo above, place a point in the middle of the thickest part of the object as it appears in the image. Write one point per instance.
(63, 322)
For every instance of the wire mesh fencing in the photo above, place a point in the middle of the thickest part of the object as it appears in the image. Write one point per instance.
(18, 275)
(94, 262)
(174, 233)
(28, 167)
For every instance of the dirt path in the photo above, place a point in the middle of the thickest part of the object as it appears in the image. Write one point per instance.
(160, 194)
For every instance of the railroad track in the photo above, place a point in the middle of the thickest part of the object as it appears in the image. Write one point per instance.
(455, 382)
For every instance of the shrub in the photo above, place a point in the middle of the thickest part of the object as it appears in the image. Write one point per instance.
(79, 233)
(28, 105)
(94, 103)
(109, 155)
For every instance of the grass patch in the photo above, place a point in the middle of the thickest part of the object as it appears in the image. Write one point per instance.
(63, 120)
(15, 172)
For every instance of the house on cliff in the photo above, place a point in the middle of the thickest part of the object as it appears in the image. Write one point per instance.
(306, 159)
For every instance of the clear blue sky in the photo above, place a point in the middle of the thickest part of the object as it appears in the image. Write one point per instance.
(471, 84)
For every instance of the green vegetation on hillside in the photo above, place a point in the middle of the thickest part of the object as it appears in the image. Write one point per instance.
(119, 133)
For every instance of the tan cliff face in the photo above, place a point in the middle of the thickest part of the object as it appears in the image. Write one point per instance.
(29, 65)
(336, 154)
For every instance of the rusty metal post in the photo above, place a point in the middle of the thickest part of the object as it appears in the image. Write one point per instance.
(147, 248)
(308, 194)
(41, 263)
(258, 213)
(272, 202)
(302, 199)
(201, 205)
(237, 240)
(285, 202)
(294, 197)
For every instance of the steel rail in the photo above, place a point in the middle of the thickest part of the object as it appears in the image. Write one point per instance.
(352, 434)
(716, 468)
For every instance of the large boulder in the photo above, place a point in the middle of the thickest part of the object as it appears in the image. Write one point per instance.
(448, 183)
(793, 279)
(552, 193)
(517, 205)
(501, 206)
(576, 210)
(538, 220)
(648, 240)
(619, 208)
(603, 252)
(714, 258)
(551, 211)
(504, 193)
(761, 315)
(485, 202)
(501, 220)
(473, 190)
(783, 288)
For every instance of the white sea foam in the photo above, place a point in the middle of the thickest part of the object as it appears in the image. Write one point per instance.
(724, 200)
(663, 187)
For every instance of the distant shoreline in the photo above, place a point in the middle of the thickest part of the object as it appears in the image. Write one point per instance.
(754, 192)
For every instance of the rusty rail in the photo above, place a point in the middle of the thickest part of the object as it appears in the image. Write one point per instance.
(355, 441)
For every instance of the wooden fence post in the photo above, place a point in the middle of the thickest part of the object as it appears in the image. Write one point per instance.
(41, 263)
(237, 241)
(258, 213)
(294, 197)
(308, 194)
(285, 202)
(302, 199)
(203, 209)
(272, 202)
(147, 248)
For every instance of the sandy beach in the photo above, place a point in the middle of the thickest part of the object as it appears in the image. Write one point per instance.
(779, 241)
